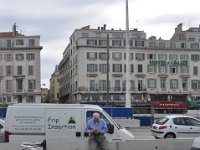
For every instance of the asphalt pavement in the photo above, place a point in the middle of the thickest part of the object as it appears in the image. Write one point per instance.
(141, 132)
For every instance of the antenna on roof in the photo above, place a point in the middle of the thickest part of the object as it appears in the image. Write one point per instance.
(14, 29)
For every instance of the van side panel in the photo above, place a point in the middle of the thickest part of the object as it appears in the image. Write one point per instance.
(25, 124)
(63, 124)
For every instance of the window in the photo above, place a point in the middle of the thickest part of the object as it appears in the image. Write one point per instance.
(117, 55)
(9, 43)
(19, 70)
(163, 83)
(163, 69)
(192, 122)
(179, 121)
(31, 42)
(19, 85)
(91, 55)
(183, 45)
(162, 56)
(30, 99)
(139, 43)
(102, 42)
(117, 85)
(140, 85)
(103, 56)
(173, 57)
(184, 83)
(117, 35)
(151, 56)
(194, 45)
(172, 45)
(184, 69)
(8, 85)
(117, 67)
(184, 57)
(31, 84)
(195, 84)
(8, 57)
(30, 70)
(8, 99)
(195, 57)
(161, 44)
(92, 85)
(103, 68)
(19, 57)
(91, 67)
(91, 42)
(152, 44)
(102, 85)
(173, 84)
(173, 69)
(139, 56)
(151, 83)
(140, 68)
(151, 68)
(20, 42)
(9, 70)
(116, 43)
(30, 56)
(195, 70)
(132, 85)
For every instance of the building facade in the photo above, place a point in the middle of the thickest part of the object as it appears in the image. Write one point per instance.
(55, 86)
(19, 68)
(161, 70)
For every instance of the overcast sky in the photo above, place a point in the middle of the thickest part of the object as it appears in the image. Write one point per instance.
(55, 20)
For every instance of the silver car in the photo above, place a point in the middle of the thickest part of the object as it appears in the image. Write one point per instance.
(2, 129)
(176, 126)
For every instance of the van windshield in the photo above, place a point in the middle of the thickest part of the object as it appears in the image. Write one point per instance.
(104, 116)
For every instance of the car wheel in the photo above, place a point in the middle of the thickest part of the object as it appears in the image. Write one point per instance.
(169, 135)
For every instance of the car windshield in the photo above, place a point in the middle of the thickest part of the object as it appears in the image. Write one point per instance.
(161, 121)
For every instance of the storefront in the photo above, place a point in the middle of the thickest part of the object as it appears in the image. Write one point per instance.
(169, 108)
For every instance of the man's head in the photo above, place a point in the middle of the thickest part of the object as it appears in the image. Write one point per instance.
(95, 117)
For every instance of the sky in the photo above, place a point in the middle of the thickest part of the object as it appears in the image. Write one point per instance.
(55, 21)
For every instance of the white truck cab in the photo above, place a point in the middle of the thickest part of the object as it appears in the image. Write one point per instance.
(56, 123)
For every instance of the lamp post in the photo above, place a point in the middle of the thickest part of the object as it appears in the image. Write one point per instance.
(128, 96)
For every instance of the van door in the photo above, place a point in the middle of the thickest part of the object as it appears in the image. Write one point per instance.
(63, 124)
(87, 115)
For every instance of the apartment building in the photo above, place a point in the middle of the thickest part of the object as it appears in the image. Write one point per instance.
(54, 86)
(161, 70)
(19, 68)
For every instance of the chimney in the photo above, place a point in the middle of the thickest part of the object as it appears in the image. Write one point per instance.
(104, 26)
(14, 29)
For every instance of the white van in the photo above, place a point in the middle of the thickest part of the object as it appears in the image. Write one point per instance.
(56, 122)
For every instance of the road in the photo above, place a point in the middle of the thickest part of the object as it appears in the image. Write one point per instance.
(142, 132)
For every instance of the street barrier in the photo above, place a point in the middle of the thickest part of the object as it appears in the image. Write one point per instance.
(161, 144)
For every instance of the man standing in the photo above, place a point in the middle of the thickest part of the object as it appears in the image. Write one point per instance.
(96, 127)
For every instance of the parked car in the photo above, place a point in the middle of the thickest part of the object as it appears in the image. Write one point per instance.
(2, 130)
(196, 144)
(176, 126)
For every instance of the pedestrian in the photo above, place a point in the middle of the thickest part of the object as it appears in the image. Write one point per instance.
(96, 127)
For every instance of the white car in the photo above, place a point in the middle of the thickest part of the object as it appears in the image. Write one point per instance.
(176, 126)
(2, 130)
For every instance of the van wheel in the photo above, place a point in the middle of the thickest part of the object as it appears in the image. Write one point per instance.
(170, 135)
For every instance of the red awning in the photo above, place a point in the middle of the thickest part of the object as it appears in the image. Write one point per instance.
(170, 105)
